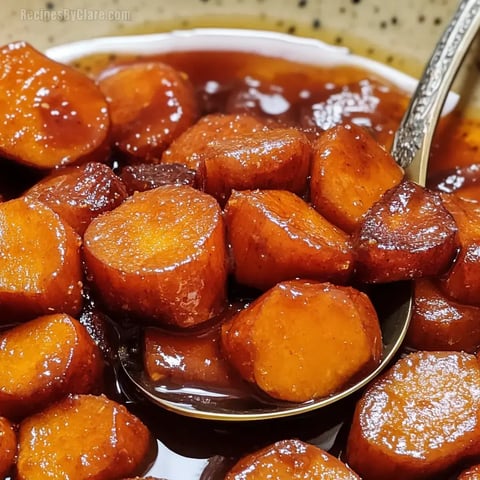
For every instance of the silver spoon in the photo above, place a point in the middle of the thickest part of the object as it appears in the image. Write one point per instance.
(393, 301)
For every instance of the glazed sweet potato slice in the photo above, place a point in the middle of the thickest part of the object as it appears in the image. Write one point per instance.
(419, 419)
(440, 323)
(150, 104)
(303, 340)
(463, 280)
(40, 268)
(180, 360)
(350, 172)
(8, 447)
(243, 158)
(79, 194)
(50, 113)
(288, 459)
(193, 146)
(105, 441)
(274, 236)
(161, 255)
(472, 473)
(44, 360)
(407, 234)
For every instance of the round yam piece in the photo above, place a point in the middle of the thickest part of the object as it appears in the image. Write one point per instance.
(43, 360)
(8, 446)
(290, 459)
(472, 473)
(50, 114)
(82, 437)
(40, 267)
(419, 419)
(160, 255)
(150, 104)
(303, 340)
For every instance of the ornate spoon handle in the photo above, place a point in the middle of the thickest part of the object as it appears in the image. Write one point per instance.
(411, 146)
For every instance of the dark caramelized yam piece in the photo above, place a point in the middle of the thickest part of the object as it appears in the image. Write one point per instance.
(82, 437)
(161, 255)
(44, 360)
(185, 359)
(274, 236)
(50, 113)
(79, 194)
(463, 280)
(472, 473)
(193, 146)
(290, 459)
(150, 104)
(146, 176)
(304, 340)
(8, 447)
(40, 268)
(419, 419)
(350, 172)
(407, 234)
(440, 323)
(237, 153)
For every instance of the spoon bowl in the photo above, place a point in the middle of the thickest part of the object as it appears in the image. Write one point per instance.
(393, 302)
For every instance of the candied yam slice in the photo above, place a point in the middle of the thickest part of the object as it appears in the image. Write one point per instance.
(290, 459)
(274, 236)
(43, 360)
(147, 176)
(8, 447)
(82, 437)
(350, 172)
(419, 419)
(463, 280)
(472, 473)
(50, 113)
(193, 146)
(185, 359)
(303, 340)
(79, 194)
(232, 152)
(161, 255)
(440, 323)
(407, 234)
(150, 104)
(40, 268)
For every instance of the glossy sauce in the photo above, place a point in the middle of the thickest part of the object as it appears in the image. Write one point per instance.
(313, 99)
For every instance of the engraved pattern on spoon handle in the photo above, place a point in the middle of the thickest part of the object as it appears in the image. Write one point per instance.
(413, 138)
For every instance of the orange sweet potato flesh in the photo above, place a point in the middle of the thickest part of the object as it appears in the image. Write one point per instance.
(247, 157)
(289, 459)
(419, 419)
(303, 340)
(50, 113)
(350, 172)
(407, 234)
(463, 280)
(8, 446)
(274, 236)
(472, 473)
(44, 360)
(150, 104)
(79, 194)
(440, 323)
(161, 255)
(40, 267)
(83, 436)
(185, 359)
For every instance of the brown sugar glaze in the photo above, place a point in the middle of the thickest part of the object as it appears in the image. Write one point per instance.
(311, 98)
